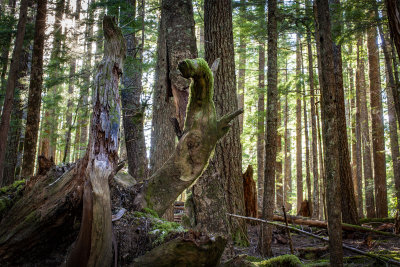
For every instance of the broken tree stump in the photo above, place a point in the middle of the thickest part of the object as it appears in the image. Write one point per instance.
(250, 193)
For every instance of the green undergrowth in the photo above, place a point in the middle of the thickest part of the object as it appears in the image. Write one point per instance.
(160, 228)
(9, 194)
(280, 261)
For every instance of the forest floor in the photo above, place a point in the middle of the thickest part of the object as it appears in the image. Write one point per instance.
(314, 252)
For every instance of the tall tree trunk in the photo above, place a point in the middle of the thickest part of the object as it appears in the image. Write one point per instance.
(71, 84)
(348, 201)
(356, 141)
(50, 120)
(162, 131)
(260, 124)
(394, 144)
(378, 138)
(178, 14)
(224, 172)
(271, 128)
(279, 176)
(288, 159)
(393, 10)
(84, 93)
(299, 150)
(5, 51)
(330, 132)
(132, 109)
(15, 130)
(11, 83)
(314, 140)
(93, 246)
(322, 184)
(390, 88)
(307, 143)
(242, 64)
(367, 164)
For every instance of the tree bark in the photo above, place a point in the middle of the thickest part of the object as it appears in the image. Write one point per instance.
(84, 92)
(5, 51)
(288, 160)
(71, 84)
(378, 138)
(260, 124)
(271, 128)
(356, 142)
(15, 130)
(307, 142)
(299, 150)
(132, 109)
(224, 171)
(314, 140)
(242, 64)
(393, 10)
(279, 176)
(390, 88)
(11, 84)
(348, 201)
(367, 164)
(162, 131)
(330, 132)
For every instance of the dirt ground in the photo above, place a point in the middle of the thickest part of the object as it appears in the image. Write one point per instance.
(372, 243)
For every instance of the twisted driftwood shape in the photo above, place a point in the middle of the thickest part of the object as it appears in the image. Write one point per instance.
(201, 132)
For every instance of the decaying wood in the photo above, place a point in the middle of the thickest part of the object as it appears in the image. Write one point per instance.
(250, 193)
(381, 258)
(305, 210)
(323, 224)
(201, 132)
(191, 249)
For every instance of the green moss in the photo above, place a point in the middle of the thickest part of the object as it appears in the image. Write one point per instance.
(161, 229)
(14, 187)
(151, 212)
(281, 261)
(239, 238)
(32, 217)
(9, 194)
(253, 259)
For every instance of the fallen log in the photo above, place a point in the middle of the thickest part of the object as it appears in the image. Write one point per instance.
(381, 258)
(323, 224)
(191, 249)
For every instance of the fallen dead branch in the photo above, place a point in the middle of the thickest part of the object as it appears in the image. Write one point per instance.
(381, 258)
(323, 224)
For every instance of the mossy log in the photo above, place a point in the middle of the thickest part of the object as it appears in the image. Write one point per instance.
(56, 204)
(190, 249)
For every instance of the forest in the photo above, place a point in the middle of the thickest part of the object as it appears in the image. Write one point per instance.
(200, 133)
